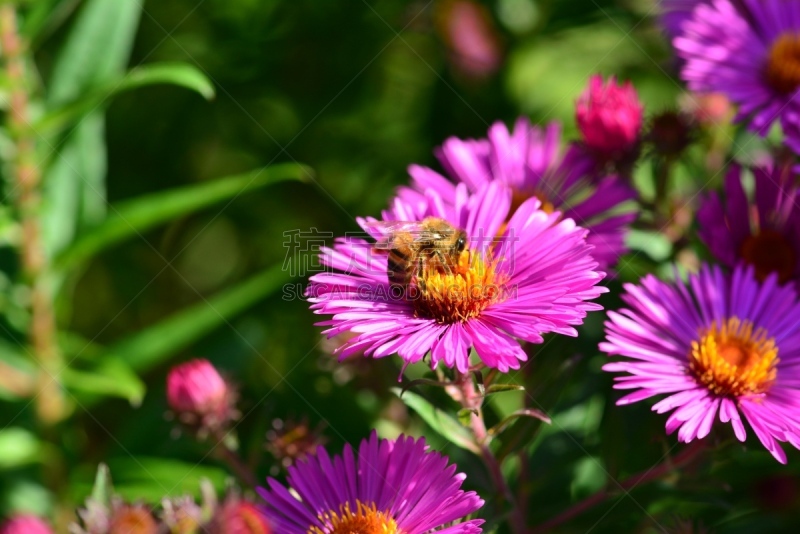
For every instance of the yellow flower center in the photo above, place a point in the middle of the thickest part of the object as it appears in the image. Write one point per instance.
(458, 293)
(364, 520)
(733, 359)
(783, 64)
(769, 252)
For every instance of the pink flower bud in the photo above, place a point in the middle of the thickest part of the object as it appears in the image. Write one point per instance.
(25, 524)
(199, 396)
(468, 29)
(609, 117)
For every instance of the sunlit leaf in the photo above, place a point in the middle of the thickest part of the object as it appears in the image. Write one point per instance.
(442, 423)
(157, 343)
(18, 447)
(133, 217)
(502, 388)
(112, 377)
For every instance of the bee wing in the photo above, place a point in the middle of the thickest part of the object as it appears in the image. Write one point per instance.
(384, 231)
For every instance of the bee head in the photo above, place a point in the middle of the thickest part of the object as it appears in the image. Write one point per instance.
(461, 242)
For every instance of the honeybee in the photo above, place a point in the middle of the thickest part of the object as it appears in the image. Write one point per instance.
(415, 246)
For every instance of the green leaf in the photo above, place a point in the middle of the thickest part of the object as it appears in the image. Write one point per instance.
(44, 17)
(113, 377)
(96, 50)
(157, 343)
(465, 416)
(133, 217)
(180, 74)
(507, 421)
(588, 477)
(502, 388)
(152, 479)
(444, 424)
(18, 447)
(423, 382)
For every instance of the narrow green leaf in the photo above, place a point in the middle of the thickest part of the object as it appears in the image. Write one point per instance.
(157, 343)
(113, 377)
(444, 424)
(502, 388)
(527, 412)
(96, 50)
(423, 382)
(44, 17)
(139, 215)
(180, 74)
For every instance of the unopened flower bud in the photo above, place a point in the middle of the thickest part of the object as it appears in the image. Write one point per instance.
(468, 29)
(609, 117)
(25, 524)
(670, 133)
(199, 396)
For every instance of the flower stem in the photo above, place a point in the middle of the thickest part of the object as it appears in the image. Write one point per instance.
(26, 177)
(231, 457)
(688, 454)
(471, 400)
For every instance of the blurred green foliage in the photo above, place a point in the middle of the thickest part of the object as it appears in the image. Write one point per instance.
(164, 217)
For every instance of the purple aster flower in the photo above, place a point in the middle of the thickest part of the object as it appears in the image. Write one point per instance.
(392, 487)
(530, 160)
(674, 13)
(727, 345)
(509, 280)
(751, 53)
(763, 232)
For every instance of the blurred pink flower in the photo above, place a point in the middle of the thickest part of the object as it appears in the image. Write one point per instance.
(609, 117)
(132, 519)
(25, 524)
(236, 516)
(199, 395)
(467, 28)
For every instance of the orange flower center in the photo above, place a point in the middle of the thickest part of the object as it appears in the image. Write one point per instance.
(520, 196)
(364, 520)
(783, 65)
(458, 293)
(133, 520)
(768, 252)
(733, 359)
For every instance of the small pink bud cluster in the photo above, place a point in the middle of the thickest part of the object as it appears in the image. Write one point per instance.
(25, 524)
(200, 397)
(609, 117)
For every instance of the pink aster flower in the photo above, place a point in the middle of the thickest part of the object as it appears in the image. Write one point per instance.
(25, 524)
(389, 486)
(530, 160)
(200, 396)
(536, 276)
(609, 117)
(763, 232)
(747, 50)
(719, 345)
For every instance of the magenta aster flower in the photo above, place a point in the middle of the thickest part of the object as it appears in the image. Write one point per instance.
(531, 162)
(674, 13)
(726, 345)
(751, 53)
(764, 232)
(535, 276)
(609, 117)
(391, 487)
